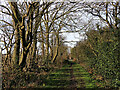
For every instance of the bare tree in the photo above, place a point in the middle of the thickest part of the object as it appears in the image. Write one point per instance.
(106, 11)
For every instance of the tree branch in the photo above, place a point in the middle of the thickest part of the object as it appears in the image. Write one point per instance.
(6, 8)
(6, 22)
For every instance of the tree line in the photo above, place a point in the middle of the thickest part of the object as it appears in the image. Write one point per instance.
(31, 24)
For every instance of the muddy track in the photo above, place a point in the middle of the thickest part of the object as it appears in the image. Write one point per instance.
(82, 83)
(73, 82)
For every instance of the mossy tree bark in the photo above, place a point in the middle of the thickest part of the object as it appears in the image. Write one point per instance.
(25, 30)
(16, 19)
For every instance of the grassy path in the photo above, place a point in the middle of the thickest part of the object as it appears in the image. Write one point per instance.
(69, 76)
(59, 78)
(83, 78)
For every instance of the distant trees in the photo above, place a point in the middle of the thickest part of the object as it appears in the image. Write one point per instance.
(51, 25)
(80, 51)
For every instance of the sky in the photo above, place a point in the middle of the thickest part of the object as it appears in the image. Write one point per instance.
(72, 37)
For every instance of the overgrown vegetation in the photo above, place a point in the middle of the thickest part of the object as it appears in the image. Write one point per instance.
(100, 54)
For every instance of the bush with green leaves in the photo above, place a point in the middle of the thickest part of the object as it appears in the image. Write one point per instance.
(101, 51)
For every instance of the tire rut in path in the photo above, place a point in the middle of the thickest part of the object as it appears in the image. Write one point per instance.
(73, 82)
(80, 81)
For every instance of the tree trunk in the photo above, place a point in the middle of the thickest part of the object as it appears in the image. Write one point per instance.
(57, 47)
(47, 37)
(35, 38)
(43, 48)
(22, 61)
(47, 47)
(34, 52)
(15, 58)
(16, 19)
